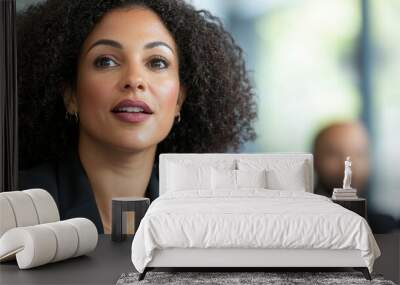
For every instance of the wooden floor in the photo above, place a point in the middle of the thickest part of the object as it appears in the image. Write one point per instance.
(389, 262)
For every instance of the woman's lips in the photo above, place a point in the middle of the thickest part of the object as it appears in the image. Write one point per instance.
(132, 111)
(131, 105)
(132, 117)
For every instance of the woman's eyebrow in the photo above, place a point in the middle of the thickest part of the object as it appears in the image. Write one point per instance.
(156, 44)
(106, 42)
(116, 44)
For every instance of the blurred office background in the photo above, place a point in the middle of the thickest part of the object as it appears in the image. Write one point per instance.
(314, 62)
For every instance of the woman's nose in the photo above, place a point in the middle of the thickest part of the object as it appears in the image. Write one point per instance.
(133, 80)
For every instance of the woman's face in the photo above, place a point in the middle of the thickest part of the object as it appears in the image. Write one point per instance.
(128, 90)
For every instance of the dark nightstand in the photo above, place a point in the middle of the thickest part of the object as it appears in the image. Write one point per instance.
(358, 205)
(127, 212)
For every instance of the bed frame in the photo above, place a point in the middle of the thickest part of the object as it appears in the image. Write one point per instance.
(247, 259)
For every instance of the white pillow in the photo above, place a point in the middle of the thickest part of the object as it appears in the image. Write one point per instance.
(228, 179)
(223, 179)
(188, 177)
(278, 180)
(251, 178)
(282, 174)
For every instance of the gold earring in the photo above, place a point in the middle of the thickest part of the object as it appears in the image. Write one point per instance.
(76, 117)
(68, 116)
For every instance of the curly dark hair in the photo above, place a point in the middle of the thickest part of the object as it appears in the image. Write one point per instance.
(219, 109)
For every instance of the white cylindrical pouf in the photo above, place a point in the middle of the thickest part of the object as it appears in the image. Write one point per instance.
(34, 245)
(40, 244)
(45, 205)
(87, 235)
(67, 239)
(23, 208)
(7, 217)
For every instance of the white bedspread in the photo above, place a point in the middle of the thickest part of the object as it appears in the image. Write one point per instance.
(250, 218)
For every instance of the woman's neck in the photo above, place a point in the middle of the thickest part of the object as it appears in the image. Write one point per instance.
(114, 173)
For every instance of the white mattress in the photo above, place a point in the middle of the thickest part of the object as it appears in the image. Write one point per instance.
(251, 218)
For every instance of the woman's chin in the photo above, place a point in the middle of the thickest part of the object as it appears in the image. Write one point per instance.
(134, 147)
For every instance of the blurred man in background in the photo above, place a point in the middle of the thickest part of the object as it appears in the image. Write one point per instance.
(330, 148)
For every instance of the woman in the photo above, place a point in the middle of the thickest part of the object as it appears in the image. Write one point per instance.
(134, 79)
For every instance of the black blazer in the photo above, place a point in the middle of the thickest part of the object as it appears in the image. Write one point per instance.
(67, 182)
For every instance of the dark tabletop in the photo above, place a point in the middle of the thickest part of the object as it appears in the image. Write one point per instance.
(110, 259)
(104, 265)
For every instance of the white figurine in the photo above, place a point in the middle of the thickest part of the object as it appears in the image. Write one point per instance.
(347, 173)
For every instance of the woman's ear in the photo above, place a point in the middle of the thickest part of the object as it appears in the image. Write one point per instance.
(70, 101)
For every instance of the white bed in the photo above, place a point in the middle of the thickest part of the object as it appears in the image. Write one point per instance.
(247, 210)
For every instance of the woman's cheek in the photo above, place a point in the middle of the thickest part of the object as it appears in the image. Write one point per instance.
(168, 94)
(94, 99)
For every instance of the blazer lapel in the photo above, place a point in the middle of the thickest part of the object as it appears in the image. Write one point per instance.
(75, 193)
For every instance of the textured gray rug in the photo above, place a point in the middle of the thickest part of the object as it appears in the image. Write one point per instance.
(228, 278)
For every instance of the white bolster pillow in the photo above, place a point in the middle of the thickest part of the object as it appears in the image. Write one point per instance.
(40, 244)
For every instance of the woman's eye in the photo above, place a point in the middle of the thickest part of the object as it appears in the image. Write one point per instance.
(158, 63)
(104, 61)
